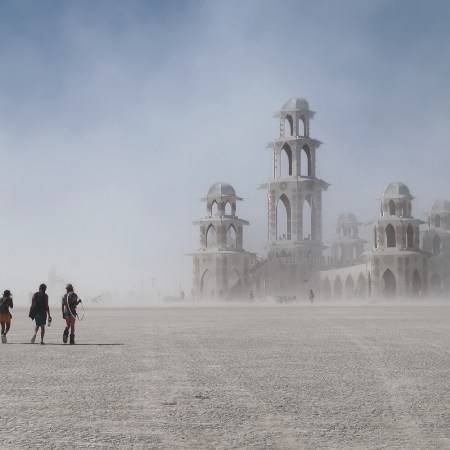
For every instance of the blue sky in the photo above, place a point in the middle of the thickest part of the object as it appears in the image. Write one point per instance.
(116, 117)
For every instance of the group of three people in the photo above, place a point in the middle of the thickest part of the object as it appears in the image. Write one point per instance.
(40, 312)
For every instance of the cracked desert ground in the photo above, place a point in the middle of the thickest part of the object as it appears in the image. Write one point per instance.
(232, 377)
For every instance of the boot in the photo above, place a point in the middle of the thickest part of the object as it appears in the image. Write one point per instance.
(72, 339)
(65, 335)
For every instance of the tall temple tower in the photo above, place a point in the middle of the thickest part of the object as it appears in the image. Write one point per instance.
(397, 266)
(221, 265)
(294, 203)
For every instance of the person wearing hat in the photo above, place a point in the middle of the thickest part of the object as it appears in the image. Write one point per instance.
(5, 316)
(69, 304)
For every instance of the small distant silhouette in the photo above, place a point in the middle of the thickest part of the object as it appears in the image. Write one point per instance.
(311, 296)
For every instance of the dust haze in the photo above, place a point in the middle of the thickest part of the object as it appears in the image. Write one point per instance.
(116, 118)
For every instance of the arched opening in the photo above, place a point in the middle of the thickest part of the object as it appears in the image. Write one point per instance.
(214, 208)
(326, 289)
(211, 236)
(340, 252)
(305, 162)
(301, 126)
(361, 287)
(436, 284)
(410, 236)
(390, 236)
(391, 207)
(206, 284)
(231, 237)
(375, 240)
(283, 218)
(354, 254)
(285, 161)
(388, 284)
(228, 209)
(337, 288)
(416, 287)
(288, 126)
(349, 287)
(436, 245)
(234, 285)
(307, 218)
(437, 221)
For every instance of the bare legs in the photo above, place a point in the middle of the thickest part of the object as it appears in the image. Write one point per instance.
(5, 329)
(70, 322)
(42, 327)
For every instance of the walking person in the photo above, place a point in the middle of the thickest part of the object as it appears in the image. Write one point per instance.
(39, 303)
(69, 304)
(5, 316)
(311, 296)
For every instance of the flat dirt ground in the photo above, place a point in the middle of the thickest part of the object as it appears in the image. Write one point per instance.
(232, 377)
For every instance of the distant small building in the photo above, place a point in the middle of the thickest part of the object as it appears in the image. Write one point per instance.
(347, 247)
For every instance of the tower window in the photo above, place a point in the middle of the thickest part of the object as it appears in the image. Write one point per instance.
(437, 221)
(283, 218)
(286, 161)
(231, 237)
(211, 236)
(307, 218)
(305, 162)
(391, 207)
(302, 126)
(288, 126)
(390, 236)
(410, 236)
(388, 284)
(436, 245)
(214, 208)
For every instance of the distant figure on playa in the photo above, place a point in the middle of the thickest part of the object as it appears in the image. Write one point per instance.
(69, 304)
(311, 296)
(250, 295)
(5, 316)
(39, 304)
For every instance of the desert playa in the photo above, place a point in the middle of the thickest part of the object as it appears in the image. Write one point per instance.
(232, 377)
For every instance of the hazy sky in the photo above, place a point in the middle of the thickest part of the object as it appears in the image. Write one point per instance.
(117, 116)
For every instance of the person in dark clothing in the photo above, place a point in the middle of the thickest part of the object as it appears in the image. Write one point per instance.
(6, 302)
(69, 304)
(311, 296)
(39, 303)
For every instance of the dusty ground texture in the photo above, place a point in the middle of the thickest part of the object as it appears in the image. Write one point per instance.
(232, 377)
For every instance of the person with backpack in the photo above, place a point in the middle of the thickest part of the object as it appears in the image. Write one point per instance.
(69, 304)
(40, 308)
(5, 316)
